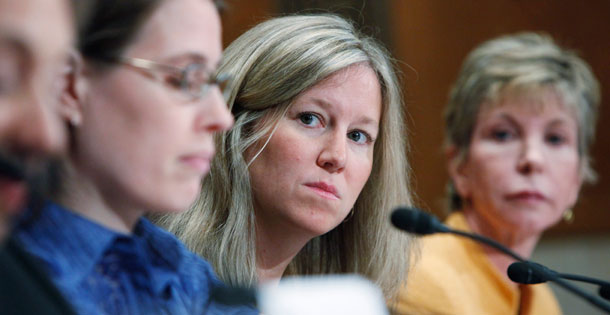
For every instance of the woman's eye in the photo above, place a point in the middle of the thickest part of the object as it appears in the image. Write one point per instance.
(359, 136)
(502, 135)
(555, 139)
(174, 81)
(309, 119)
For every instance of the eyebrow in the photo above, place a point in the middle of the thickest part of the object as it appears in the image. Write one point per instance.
(14, 41)
(189, 56)
(509, 118)
(362, 120)
(24, 53)
(559, 121)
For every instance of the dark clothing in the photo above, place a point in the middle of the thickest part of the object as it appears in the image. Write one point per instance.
(24, 288)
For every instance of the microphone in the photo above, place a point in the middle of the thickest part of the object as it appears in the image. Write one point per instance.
(530, 273)
(417, 221)
(524, 272)
(604, 291)
(533, 273)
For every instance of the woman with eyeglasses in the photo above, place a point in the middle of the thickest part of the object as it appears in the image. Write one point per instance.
(142, 107)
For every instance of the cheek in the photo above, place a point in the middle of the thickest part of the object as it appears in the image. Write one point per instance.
(568, 179)
(133, 141)
(360, 171)
(491, 164)
(285, 153)
(488, 177)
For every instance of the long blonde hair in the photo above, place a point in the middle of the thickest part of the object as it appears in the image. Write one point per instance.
(271, 65)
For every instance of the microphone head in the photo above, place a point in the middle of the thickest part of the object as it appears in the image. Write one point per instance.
(233, 296)
(529, 273)
(416, 221)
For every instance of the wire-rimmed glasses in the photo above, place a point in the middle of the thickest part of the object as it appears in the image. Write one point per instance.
(195, 80)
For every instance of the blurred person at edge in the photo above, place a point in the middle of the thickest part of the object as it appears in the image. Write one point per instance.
(36, 37)
(520, 122)
(35, 40)
(305, 181)
(142, 105)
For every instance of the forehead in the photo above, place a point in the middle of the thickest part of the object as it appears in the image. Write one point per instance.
(540, 101)
(355, 79)
(181, 27)
(353, 94)
(43, 25)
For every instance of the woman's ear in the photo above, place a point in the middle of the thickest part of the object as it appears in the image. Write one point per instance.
(458, 171)
(73, 88)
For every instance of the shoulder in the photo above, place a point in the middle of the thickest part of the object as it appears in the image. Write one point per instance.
(197, 277)
(193, 270)
(436, 280)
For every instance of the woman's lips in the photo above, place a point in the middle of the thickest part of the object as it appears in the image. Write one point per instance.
(200, 162)
(530, 196)
(325, 190)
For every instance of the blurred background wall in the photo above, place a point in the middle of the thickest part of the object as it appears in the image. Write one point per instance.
(429, 39)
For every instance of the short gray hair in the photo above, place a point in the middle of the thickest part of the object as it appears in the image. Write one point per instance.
(526, 62)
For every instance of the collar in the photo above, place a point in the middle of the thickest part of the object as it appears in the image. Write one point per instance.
(164, 251)
(71, 245)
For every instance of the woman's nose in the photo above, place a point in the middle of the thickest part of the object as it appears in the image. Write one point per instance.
(38, 127)
(215, 114)
(531, 159)
(333, 156)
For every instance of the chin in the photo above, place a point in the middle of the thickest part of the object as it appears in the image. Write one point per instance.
(533, 225)
(321, 227)
(174, 203)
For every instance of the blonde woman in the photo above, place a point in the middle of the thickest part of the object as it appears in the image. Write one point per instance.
(306, 180)
(520, 123)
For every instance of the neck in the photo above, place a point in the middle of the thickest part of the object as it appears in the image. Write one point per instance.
(275, 249)
(521, 243)
(81, 195)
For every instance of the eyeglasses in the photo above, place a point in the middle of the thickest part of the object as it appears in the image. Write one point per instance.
(194, 80)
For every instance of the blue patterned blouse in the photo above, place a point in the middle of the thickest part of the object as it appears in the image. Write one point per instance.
(101, 271)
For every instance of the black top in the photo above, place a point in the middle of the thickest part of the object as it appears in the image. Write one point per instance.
(24, 288)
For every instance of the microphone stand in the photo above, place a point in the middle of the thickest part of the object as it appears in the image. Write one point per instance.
(488, 242)
(432, 225)
(556, 279)
(580, 278)
(580, 292)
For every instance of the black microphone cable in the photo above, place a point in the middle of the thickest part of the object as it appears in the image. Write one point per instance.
(417, 221)
(533, 273)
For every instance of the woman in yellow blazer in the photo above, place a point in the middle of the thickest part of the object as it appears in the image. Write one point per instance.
(519, 122)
